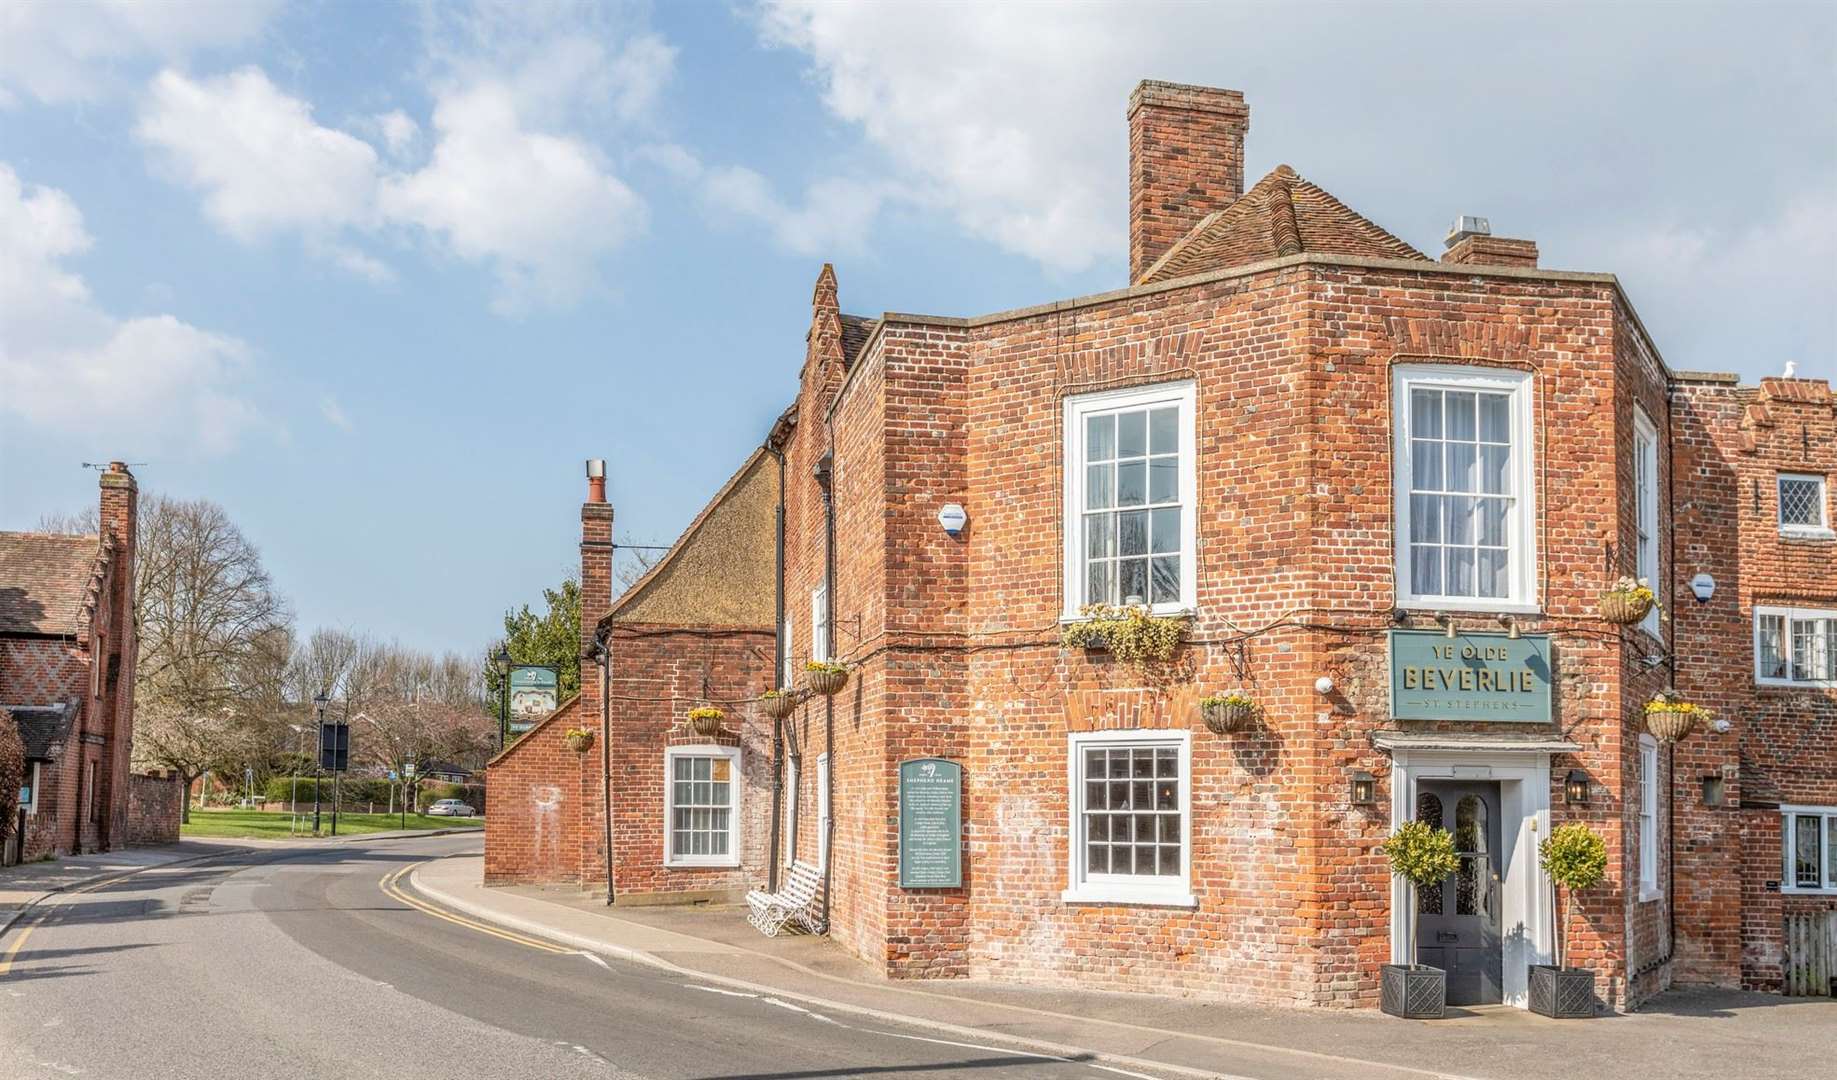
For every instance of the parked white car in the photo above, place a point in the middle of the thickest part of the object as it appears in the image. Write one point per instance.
(451, 808)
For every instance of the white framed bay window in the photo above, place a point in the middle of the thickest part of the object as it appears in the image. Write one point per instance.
(1465, 510)
(1130, 498)
(701, 821)
(1131, 818)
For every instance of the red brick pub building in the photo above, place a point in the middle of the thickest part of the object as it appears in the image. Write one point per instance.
(1336, 458)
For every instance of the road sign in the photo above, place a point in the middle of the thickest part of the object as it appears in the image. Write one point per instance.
(334, 747)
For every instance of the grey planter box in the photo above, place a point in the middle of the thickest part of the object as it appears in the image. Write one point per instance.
(1562, 993)
(1417, 992)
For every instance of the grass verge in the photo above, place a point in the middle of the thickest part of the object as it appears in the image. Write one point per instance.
(268, 825)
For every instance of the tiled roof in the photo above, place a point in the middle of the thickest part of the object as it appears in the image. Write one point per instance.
(1282, 215)
(43, 728)
(46, 581)
(856, 329)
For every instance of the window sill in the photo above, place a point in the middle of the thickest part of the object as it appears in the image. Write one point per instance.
(1429, 606)
(1806, 890)
(697, 864)
(1814, 685)
(1160, 611)
(1806, 532)
(1096, 894)
(1646, 897)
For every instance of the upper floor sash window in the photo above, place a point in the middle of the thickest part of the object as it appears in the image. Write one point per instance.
(1465, 503)
(1130, 498)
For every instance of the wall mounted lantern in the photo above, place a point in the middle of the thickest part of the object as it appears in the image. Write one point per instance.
(1447, 623)
(1575, 788)
(1364, 788)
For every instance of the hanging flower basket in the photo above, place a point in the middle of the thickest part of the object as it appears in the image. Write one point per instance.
(778, 704)
(706, 720)
(580, 740)
(1670, 718)
(826, 678)
(1226, 713)
(1628, 602)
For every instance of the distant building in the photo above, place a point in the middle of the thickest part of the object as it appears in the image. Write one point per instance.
(67, 652)
(1384, 492)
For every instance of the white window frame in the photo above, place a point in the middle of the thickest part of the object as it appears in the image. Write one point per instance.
(819, 622)
(791, 788)
(786, 677)
(1788, 616)
(1521, 529)
(822, 811)
(1823, 527)
(1183, 394)
(1649, 888)
(732, 754)
(1827, 851)
(1646, 523)
(33, 780)
(1084, 888)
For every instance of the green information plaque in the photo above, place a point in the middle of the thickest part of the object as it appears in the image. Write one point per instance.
(930, 824)
(1470, 676)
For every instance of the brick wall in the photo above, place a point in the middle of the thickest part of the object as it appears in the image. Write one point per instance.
(1732, 442)
(153, 809)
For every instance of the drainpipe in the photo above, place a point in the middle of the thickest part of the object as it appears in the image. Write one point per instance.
(825, 476)
(602, 643)
(778, 679)
(1671, 655)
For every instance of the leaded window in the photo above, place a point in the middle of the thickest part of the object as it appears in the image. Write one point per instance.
(1801, 498)
(1795, 646)
(1808, 840)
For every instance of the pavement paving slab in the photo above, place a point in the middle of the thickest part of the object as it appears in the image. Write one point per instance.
(1684, 1034)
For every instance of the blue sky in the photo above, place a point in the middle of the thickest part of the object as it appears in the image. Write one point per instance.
(376, 277)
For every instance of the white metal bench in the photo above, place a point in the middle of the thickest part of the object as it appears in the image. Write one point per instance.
(794, 902)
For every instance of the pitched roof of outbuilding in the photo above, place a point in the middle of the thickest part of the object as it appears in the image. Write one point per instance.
(1283, 214)
(48, 582)
(43, 728)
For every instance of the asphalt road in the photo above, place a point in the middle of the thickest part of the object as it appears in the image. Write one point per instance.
(299, 963)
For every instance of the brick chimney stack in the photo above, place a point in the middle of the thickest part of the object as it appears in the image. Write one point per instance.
(1186, 159)
(1471, 242)
(118, 519)
(595, 567)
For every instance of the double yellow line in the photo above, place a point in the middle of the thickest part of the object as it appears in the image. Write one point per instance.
(393, 890)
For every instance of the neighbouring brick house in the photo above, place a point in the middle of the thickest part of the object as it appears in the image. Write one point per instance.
(67, 650)
(1330, 454)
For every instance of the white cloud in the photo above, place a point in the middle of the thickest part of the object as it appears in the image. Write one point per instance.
(83, 51)
(508, 173)
(541, 209)
(264, 164)
(67, 365)
(334, 413)
(834, 217)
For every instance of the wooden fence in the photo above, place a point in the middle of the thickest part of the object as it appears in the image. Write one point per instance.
(1811, 953)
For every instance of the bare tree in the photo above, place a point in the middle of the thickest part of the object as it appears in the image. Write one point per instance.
(213, 639)
(637, 563)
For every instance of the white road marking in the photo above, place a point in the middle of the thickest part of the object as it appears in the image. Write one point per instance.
(785, 1005)
(718, 990)
(594, 958)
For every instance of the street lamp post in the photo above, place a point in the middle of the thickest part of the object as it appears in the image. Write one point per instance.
(319, 702)
(503, 661)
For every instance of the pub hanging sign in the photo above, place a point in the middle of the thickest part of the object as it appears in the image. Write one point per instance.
(1470, 676)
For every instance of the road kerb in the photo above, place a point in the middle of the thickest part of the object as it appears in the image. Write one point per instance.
(604, 948)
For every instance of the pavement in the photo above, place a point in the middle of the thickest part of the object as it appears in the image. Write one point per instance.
(1683, 1034)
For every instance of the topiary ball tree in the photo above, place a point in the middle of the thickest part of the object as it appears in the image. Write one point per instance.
(1575, 857)
(1422, 855)
(12, 773)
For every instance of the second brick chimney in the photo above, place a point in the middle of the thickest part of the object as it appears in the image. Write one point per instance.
(1186, 159)
(595, 568)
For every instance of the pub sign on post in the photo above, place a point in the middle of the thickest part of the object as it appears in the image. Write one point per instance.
(930, 824)
(1470, 676)
(534, 693)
